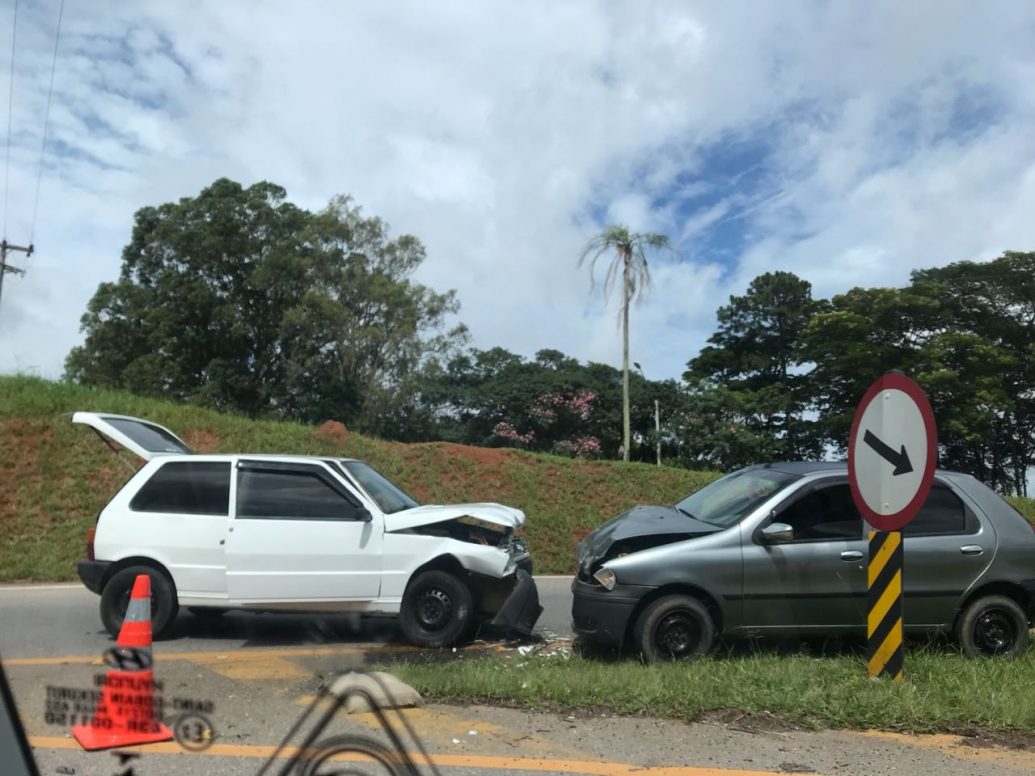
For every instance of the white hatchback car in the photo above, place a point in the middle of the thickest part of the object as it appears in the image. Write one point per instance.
(299, 533)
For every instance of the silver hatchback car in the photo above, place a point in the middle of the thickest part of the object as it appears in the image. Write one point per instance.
(780, 549)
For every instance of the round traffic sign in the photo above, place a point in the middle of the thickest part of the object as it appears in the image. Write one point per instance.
(892, 452)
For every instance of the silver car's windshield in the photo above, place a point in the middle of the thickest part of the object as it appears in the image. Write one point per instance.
(387, 495)
(729, 499)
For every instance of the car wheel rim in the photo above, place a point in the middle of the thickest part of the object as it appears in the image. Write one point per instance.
(434, 609)
(678, 636)
(994, 632)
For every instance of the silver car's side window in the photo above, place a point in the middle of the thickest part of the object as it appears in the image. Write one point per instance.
(943, 514)
(823, 513)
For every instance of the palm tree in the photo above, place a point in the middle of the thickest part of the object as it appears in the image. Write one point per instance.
(630, 260)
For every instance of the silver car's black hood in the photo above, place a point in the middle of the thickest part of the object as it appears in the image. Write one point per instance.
(639, 528)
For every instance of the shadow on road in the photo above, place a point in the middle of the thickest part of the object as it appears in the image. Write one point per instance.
(258, 629)
(828, 647)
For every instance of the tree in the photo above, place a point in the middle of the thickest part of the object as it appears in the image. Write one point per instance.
(196, 311)
(756, 355)
(859, 336)
(629, 262)
(551, 403)
(361, 330)
(992, 363)
(239, 300)
(709, 426)
(965, 333)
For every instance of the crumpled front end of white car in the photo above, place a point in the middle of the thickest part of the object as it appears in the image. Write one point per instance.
(488, 541)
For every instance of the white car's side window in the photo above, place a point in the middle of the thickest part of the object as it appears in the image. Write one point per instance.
(292, 491)
(186, 488)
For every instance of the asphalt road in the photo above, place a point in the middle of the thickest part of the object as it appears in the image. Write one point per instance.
(260, 672)
(55, 620)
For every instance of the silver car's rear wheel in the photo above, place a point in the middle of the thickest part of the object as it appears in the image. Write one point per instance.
(993, 626)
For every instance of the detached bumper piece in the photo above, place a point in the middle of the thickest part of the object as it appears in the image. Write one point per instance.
(521, 610)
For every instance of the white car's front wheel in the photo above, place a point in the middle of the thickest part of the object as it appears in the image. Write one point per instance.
(436, 610)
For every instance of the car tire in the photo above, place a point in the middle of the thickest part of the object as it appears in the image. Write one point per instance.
(437, 610)
(206, 612)
(676, 627)
(116, 594)
(993, 626)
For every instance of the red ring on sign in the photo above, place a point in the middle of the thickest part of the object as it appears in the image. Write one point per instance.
(898, 382)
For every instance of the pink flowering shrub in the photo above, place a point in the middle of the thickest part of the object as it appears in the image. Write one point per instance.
(506, 431)
(586, 447)
(558, 423)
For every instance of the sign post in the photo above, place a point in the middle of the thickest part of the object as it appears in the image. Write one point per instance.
(892, 452)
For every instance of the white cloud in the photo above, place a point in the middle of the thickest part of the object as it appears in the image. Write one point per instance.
(496, 132)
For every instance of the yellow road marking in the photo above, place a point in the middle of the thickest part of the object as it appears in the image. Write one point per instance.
(288, 652)
(434, 723)
(447, 760)
(955, 747)
(887, 598)
(880, 560)
(252, 667)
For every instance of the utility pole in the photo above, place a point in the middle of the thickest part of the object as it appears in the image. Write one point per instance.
(5, 248)
(657, 427)
(657, 415)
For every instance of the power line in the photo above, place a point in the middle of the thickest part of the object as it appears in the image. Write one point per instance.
(46, 123)
(10, 106)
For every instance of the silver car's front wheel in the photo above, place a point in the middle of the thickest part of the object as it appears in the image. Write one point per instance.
(675, 627)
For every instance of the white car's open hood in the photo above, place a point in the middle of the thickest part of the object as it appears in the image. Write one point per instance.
(508, 517)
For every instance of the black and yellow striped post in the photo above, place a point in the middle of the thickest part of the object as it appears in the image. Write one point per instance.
(884, 623)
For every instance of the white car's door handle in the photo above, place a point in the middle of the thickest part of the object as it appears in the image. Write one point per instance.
(971, 549)
(851, 555)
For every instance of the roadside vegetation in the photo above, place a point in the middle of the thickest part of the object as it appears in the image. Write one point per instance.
(55, 477)
(942, 691)
(238, 299)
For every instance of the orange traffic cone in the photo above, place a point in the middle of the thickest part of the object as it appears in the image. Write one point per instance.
(125, 714)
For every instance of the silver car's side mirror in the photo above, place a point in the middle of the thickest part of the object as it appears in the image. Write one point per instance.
(777, 533)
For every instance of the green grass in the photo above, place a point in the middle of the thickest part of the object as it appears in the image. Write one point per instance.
(55, 477)
(942, 692)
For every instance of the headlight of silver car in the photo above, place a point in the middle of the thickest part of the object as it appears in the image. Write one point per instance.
(606, 577)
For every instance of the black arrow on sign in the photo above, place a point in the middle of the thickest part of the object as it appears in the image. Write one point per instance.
(899, 460)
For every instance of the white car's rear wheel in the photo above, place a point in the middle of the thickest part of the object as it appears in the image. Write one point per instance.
(116, 594)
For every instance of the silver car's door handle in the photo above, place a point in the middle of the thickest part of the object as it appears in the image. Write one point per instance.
(851, 555)
(971, 549)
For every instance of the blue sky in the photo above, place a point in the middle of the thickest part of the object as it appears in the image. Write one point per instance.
(846, 142)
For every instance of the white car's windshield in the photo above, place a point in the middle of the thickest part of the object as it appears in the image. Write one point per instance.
(387, 495)
(728, 500)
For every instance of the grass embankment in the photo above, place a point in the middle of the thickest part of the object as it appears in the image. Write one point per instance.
(55, 476)
(942, 692)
